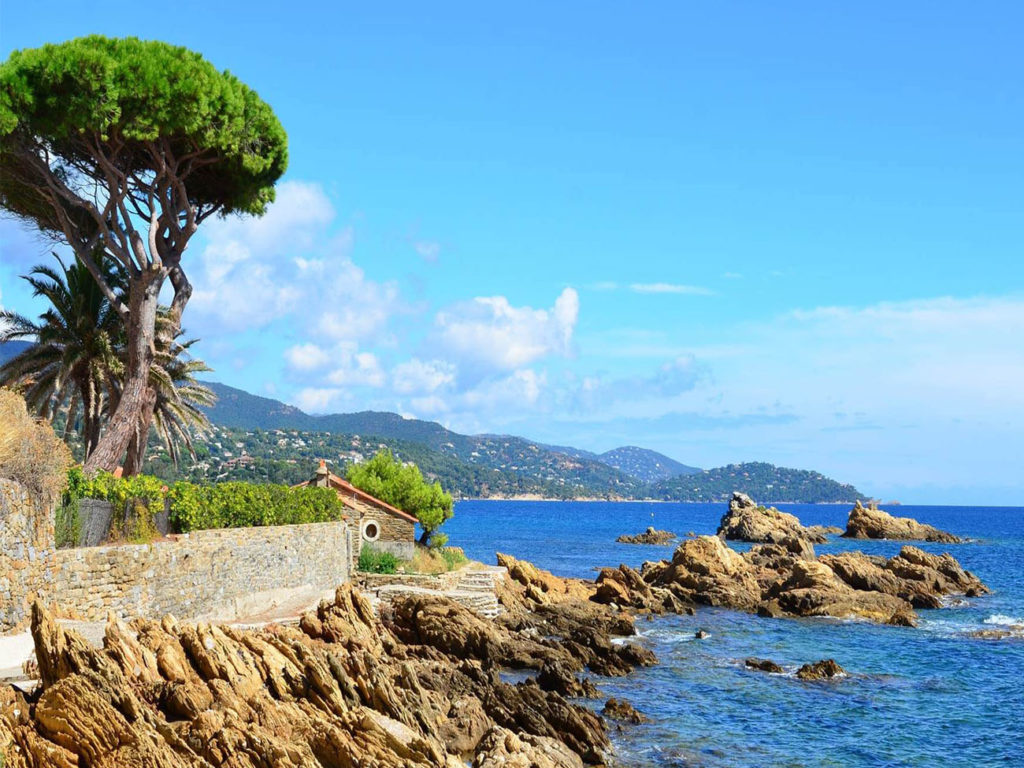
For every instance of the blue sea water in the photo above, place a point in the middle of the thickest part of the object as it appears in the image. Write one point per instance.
(925, 696)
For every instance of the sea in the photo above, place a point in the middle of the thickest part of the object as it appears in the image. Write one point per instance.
(926, 696)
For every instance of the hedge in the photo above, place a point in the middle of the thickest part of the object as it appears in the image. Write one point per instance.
(200, 507)
(241, 505)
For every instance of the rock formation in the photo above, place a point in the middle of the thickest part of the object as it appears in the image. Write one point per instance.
(873, 523)
(763, 665)
(778, 580)
(825, 669)
(746, 521)
(418, 687)
(650, 536)
(619, 709)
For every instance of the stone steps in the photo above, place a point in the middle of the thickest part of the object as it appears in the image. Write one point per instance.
(473, 589)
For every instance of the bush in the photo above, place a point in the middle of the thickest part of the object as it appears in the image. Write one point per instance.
(374, 561)
(67, 525)
(30, 452)
(241, 505)
(453, 557)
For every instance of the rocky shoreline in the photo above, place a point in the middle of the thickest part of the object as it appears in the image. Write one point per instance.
(421, 684)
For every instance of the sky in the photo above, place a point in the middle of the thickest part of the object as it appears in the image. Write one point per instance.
(788, 232)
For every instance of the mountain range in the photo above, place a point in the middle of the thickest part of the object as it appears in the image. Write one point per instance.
(263, 439)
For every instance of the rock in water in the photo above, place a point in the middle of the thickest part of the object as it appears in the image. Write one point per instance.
(746, 521)
(764, 665)
(650, 536)
(787, 580)
(873, 523)
(620, 709)
(820, 670)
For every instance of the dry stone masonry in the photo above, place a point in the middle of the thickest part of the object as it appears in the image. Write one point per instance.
(223, 574)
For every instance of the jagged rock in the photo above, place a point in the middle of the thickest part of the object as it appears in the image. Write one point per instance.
(650, 536)
(501, 748)
(700, 634)
(820, 670)
(619, 709)
(704, 570)
(764, 665)
(550, 586)
(556, 676)
(813, 589)
(785, 579)
(339, 690)
(746, 521)
(873, 523)
(623, 586)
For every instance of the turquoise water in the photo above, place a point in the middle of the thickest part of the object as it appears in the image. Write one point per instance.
(915, 697)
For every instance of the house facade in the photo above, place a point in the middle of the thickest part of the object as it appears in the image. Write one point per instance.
(374, 522)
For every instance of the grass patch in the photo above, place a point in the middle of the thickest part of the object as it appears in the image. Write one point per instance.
(374, 561)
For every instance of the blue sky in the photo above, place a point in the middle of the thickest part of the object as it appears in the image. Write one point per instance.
(728, 231)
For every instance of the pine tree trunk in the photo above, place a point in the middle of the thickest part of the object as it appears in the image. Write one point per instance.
(124, 423)
(136, 454)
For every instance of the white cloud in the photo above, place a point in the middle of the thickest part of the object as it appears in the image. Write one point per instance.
(676, 288)
(419, 376)
(320, 399)
(357, 369)
(254, 271)
(307, 357)
(491, 333)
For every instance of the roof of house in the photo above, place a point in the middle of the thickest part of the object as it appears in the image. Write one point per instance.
(344, 487)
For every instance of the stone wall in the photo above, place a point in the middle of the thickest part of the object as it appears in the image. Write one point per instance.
(397, 535)
(26, 554)
(224, 574)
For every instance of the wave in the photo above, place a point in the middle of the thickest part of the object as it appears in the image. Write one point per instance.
(1003, 620)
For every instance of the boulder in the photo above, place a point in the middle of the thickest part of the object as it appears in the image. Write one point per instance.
(704, 570)
(820, 670)
(650, 536)
(746, 521)
(763, 665)
(873, 523)
(620, 709)
(501, 748)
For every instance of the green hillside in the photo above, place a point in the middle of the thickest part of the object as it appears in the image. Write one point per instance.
(765, 482)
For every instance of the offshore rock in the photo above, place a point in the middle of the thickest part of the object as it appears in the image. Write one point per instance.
(746, 521)
(786, 579)
(873, 523)
(763, 665)
(619, 709)
(650, 536)
(704, 570)
(820, 670)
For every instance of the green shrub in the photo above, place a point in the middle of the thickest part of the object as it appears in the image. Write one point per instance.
(197, 507)
(241, 505)
(67, 525)
(374, 561)
(454, 557)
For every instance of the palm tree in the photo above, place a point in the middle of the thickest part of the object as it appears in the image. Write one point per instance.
(76, 365)
(74, 359)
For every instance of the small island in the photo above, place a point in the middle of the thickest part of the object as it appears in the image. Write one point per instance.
(650, 536)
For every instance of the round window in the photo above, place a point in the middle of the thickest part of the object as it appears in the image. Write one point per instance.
(371, 530)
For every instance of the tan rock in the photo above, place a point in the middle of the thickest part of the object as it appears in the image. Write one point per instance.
(873, 523)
